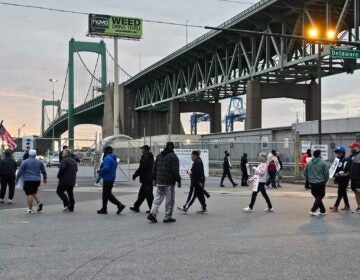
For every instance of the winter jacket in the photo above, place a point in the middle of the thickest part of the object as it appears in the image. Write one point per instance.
(145, 168)
(8, 166)
(342, 180)
(316, 171)
(30, 170)
(304, 160)
(197, 173)
(353, 167)
(243, 163)
(166, 169)
(67, 172)
(107, 169)
(226, 163)
(261, 170)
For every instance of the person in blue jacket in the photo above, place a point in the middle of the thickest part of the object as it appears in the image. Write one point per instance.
(342, 179)
(108, 173)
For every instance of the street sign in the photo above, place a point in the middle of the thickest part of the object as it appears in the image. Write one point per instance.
(114, 26)
(323, 149)
(28, 143)
(344, 54)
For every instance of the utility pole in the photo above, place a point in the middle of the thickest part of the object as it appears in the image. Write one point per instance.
(116, 89)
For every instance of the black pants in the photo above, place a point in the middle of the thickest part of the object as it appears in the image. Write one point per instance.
(244, 177)
(196, 192)
(68, 200)
(318, 191)
(261, 188)
(307, 184)
(271, 180)
(145, 192)
(7, 180)
(226, 172)
(108, 196)
(342, 193)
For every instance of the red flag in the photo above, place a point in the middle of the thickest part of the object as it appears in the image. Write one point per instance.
(5, 136)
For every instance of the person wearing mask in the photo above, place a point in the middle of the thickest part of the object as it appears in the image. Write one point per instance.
(353, 168)
(226, 170)
(67, 178)
(243, 166)
(261, 171)
(304, 160)
(279, 172)
(317, 172)
(31, 170)
(61, 153)
(145, 173)
(108, 173)
(165, 175)
(197, 185)
(342, 179)
(7, 173)
(272, 162)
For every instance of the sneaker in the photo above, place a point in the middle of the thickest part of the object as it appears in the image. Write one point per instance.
(170, 220)
(66, 209)
(152, 218)
(10, 201)
(207, 195)
(235, 185)
(346, 208)
(148, 212)
(29, 211)
(322, 213)
(2, 200)
(120, 208)
(135, 209)
(334, 208)
(40, 207)
(268, 210)
(183, 209)
(202, 211)
(97, 185)
(357, 211)
(314, 214)
(222, 186)
(247, 209)
(102, 211)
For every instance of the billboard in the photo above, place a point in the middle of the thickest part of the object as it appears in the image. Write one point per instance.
(113, 26)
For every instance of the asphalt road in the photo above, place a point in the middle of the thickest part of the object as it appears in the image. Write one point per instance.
(224, 244)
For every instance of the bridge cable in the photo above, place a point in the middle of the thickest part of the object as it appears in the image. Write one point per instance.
(82, 61)
(122, 69)
(92, 78)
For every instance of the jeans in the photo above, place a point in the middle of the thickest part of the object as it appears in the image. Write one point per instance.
(271, 180)
(68, 200)
(318, 191)
(107, 195)
(261, 188)
(162, 192)
(7, 180)
(145, 192)
(226, 172)
(342, 193)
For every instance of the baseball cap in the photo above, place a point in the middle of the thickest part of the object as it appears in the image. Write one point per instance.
(355, 145)
(32, 152)
(145, 147)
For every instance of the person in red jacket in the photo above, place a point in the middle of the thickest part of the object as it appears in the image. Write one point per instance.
(304, 161)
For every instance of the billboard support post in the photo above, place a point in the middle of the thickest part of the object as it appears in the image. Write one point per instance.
(116, 88)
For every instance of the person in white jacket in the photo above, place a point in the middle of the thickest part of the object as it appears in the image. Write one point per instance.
(261, 172)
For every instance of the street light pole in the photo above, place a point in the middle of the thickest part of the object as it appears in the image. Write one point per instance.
(19, 130)
(319, 89)
(53, 81)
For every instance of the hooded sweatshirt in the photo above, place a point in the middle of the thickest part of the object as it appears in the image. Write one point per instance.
(316, 171)
(108, 168)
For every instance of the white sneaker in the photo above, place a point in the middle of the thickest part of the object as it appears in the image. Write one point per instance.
(2, 201)
(29, 211)
(268, 210)
(247, 209)
(10, 201)
(314, 214)
(97, 185)
(357, 211)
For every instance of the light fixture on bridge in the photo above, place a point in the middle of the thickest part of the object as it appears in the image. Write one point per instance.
(331, 34)
(313, 33)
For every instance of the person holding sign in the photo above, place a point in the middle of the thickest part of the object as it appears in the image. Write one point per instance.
(317, 172)
(341, 178)
(259, 180)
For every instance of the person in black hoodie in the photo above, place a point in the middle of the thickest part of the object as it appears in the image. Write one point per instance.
(67, 179)
(7, 173)
(245, 175)
(226, 170)
(145, 173)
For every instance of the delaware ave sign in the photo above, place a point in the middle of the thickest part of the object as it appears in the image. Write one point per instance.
(113, 26)
(344, 54)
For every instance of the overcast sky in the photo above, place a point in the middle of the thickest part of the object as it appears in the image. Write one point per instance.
(34, 48)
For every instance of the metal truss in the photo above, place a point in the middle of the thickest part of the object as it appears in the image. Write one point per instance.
(217, 66)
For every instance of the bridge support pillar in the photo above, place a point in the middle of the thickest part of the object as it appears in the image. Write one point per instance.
(313, 104)
(215, 117)
(253, 105)
(174, 118)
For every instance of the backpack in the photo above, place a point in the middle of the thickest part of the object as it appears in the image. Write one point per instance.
(272, 166)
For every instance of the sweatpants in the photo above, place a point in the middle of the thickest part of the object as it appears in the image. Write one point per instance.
(68, 200)
(145, 192)
(261, 188)
(7, 180)
(198, 192)
(318, 191)
(162, 192)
